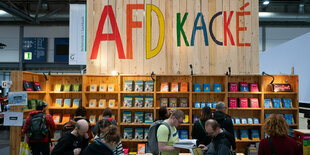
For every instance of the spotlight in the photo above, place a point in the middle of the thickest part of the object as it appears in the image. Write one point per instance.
(114, 72)
(266, 2)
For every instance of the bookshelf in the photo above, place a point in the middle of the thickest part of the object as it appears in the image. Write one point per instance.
(85, 94)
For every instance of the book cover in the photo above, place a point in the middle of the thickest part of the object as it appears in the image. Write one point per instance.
(93, 87)
(149, 101)
(237, 120)
(183, 87)
(254, 103)
(197, 104)
(127, 117)
(65, 118)
(186, 119)
(232, 102)
(287, 103)
(37, 86)
(67, 87)
(76, 87)
(276, 103)
(172, 102)
(92, 119)
(250, 121)
(209, 104)
(233, 120)
(67, 103)
(111, 88)
(256, 120)
(127, 101)
(255, 134)
(149, 86)
(56, 118)
(233, 87)
(206, 87)
(146, 133)
(184, 134)
(243, 121)
(58, 102)
(244, 134)
(183, 102)
(138, 117)
(127, 133)
(164, 87)
(139, 101)
(92, 103)
(103, 87)
(57, 134)
(174, 87)
(254, 87)
(243, 87)
(57, 87)
(163, 101)
(138, 133)
(102, 103)
(214, 105)
(141, 148)
(289, 118)
(32, 104)
(76, 103)
(243, 102)
(148, 118)
(266, 115)
(217, 87)
(236, 135)
(27, 86)
(111, 103)
(197, 87)
(139, 85)
(128, 85)
(267, 103)
(195, 118)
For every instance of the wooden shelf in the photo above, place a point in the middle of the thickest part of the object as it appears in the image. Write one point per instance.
(247, 141)
(204, 93)
(66, 92)
(98, 92)
(246, 125)
(280, 93)
(201, 109)
(60, 108)
(59, 124)
(292, 125)
(29, 110)
(136, 92)
(252, 93)
(36, 92)
(244, 108)
(134, 140)
(172, 92)
(279, 109)
(136, 108)
(181, 108)
(95, 108)
(134, 124)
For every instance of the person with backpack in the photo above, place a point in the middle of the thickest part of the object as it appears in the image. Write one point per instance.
(38, 128)
(199, 132)
(220, 144)
(107, 114)
(225, 121)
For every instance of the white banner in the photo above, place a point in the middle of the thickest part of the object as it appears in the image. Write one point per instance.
(13, 119)
(77, 35)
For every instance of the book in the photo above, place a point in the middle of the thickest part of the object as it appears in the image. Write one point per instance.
(32, 103)
(254, 87)
(214, 104)
(149, 101)
(266, 115)
(206, 87)
(127, 101)
(92, 103)
(183, 134)
(235, 134)
(183, 87)
(237, 120)
(202, 104)
(183, 102)
(56, 118)
(58, 102)
(244, 134)
(209, 104)
(243, 87)
(111, 103)
(127, 117)
(27, 86)
(141, 149)
(250, 121)
(195, 118)
(139, 85)
(149, 86)
(255, 134)
(37, 86)
(186, 119)
(138, 133)
(67, 87)
(197, 104)
(163, 101)
(146, 133)
(76, 103)
(148, 118)
(102, 103)
(57, 134)
(173, 102)
(186, 144)
(65, 118)
(289, 118)
(139, 101)
(233, 120)
(287, 103)
(197, 87)
(276, 103)
(267, 103)
(232, 102)
(138, 117)
(93, 87)
(127, 133)
(100, 117)
(233, 87)
(111, 88)
(174, 87)
(217, 87)
(67, 103)
(243, 102)
(128, 85)
(164, 87)
(103, 87)
(76, 87)
(243, 121)
(256, 120)
(57, 87)
(254, 103)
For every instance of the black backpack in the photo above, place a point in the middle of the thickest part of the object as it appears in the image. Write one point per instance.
(37, 129)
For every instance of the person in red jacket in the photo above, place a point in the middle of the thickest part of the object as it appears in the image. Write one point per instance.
(278, 142)
(39, 145)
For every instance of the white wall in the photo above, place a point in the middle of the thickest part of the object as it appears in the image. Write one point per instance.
(9, 35)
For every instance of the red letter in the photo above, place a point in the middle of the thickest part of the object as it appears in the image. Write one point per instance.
(104, 37)
(226, 29)
(130, 25)
(238, 29)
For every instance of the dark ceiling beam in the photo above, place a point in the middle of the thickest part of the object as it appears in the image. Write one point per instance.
(13, 11)
(37, 10)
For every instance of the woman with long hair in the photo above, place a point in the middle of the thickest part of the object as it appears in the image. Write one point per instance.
(199, 131)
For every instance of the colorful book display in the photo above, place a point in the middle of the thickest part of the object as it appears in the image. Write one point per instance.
(183, 102)
(141, 148)
(254, 102)
(206, 87)
(244, 121)
(57, 134)
(57, 87)
(67, 87)
(183, 87)
(65, 118)
(102, 103)
(256, 120)
(27, 86)
(277, 103)
(289, 118)
(164, 102)
(138, 117)
(233, 87)
(76, 103)
(67, 103)
(127, 117)
(56, 118)
(103, 87)
(244, 134)
(139, 101)
(255, 134)
(244, 87)
(127, 133)
(58, 102)
(139, 85)
(254, 87)
(148, 118)
(111, 88)
(149, 100)
(127, 101)
(197, 87)
(92, 103)
(197, 104)
(237, 120)
(93, 88)
(138, 133)
(243, 102)
(217, 87)
(287, 103)
(173, 102)
(267, 103)
(146, 133)
(183, 134)
(174, 87)
(37, 86)
(76, 87)
(111, 103)
(128, 85)
(232, 102)
(164, 87)
(149, 86)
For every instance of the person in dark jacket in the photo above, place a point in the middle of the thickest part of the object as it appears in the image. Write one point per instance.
(72, 143)
(163, 113)
(107, 114)
(199, 132)
(105, 144)
(220, 144)
(225, 121)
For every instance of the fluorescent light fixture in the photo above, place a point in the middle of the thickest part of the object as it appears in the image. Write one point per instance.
(266, 2)
(3, 12)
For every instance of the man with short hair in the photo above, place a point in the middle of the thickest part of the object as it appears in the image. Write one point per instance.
(72, 143)
(220, 144)
(166, 147)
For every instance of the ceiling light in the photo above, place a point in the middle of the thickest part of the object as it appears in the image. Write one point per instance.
(266, 2)
(3, 12)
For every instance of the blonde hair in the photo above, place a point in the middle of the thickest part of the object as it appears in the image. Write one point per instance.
(275, 125)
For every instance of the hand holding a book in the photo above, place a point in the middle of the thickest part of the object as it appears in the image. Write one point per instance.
(203, 147)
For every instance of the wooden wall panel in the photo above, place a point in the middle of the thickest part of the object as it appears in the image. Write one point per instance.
(127, 52)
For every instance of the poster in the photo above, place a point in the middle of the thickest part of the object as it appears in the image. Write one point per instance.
(17, 98)
(34, 49)
(13, 119)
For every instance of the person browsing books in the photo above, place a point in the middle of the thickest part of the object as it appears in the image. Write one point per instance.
(165, 147)
(107, 114)
(199, 132)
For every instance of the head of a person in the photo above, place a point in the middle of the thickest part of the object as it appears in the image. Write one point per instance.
(177, 117)
(80, 111)
(220, 106)
(41, 105)
(111, 136)
(81, 127)
(102, 124)
(212, 128)
(275, 125)
(107, 112)
(206, 113)
(163, 113)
